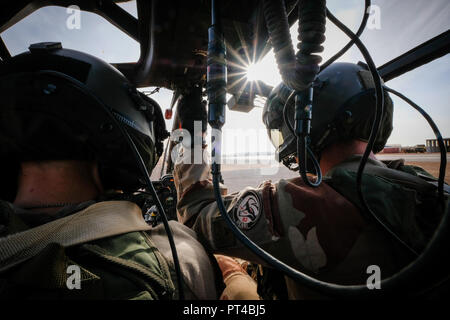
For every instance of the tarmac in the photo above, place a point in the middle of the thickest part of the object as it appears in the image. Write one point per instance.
(413, 157)
(239, 176)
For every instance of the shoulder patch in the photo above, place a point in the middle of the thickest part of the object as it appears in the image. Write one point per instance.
(247, 210)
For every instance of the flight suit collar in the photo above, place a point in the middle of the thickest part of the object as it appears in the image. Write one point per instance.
(353, 161)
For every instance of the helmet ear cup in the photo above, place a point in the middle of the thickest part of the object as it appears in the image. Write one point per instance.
(343, 109)
(356, 117)
(158, 123)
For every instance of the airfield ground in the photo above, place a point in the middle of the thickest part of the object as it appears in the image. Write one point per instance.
(239, 176)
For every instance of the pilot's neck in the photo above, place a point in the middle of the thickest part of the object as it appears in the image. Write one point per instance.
(341, 151)
(49, 183)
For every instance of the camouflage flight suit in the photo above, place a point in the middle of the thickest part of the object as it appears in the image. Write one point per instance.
(135, 265)
(321, 231)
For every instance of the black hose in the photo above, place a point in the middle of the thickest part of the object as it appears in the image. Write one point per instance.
(361, 28)
(303, 151)
(302, 130)
(437, 133)
(303, 157)
(298, 71)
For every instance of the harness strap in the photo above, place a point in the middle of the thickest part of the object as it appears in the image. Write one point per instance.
(100, 220)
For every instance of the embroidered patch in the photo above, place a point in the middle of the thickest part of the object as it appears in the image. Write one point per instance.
(247, 210)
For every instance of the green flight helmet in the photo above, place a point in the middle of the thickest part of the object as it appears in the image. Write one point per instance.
(343, 109)
(53, 107)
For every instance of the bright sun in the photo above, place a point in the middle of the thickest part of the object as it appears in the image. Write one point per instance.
(253, 72)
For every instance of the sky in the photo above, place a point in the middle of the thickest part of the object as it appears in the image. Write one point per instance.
(393, 29)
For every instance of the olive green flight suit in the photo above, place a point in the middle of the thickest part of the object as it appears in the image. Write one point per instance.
(321, 231)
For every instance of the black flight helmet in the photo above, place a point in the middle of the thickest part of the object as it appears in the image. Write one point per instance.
(52, 107)
(343, 109)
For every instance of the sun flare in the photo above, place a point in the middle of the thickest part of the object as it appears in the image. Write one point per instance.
(253, 72)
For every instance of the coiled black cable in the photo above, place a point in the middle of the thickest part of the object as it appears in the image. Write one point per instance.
(303, 119)
(311, 35)
(437, 133)
(401, 281)
(314, 161)
(361, 28)
(379, 106)
(298, 71)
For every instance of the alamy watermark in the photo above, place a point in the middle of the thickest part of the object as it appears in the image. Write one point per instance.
(374, 280)
(73, 21)
(74, 279)
(374, 20)
(230, 147)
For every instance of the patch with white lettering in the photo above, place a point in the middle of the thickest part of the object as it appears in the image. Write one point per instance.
(247, 210)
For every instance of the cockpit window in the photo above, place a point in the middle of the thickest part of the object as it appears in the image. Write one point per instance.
(79, 30)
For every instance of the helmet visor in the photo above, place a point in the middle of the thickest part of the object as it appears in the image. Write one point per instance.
(276, 137)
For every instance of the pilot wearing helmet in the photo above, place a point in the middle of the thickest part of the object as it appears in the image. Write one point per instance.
(71, 216)
(324, 231)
